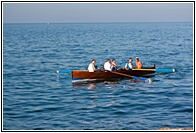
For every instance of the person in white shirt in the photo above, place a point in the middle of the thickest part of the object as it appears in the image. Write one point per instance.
(91, 67)
(107, 65)
(129, 66)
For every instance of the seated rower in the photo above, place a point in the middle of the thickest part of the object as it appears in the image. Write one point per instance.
(107, 65)
(91, 67)
(138, 63)
(114, 66)
(129, 66)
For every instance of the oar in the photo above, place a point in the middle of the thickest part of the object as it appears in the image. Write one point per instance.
(134, 77)
(165, 70)
(64, 71)
(161, 70)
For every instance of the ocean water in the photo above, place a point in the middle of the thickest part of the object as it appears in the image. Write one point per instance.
(35, 97)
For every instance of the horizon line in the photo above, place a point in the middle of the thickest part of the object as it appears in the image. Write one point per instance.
(95, 22)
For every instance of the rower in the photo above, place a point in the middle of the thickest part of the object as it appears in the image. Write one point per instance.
(91, 67)
(138, 63)
(129, 65)
(107, 65)
(114, 66)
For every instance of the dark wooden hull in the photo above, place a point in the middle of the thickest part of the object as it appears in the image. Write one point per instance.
(85, 75)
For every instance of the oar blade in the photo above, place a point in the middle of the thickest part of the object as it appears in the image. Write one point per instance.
(165, 70)
(64, 71)
(142, 79)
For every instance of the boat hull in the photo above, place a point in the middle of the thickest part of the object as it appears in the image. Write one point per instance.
(84, 75)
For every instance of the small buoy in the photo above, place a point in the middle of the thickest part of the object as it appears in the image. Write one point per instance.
(57, 71)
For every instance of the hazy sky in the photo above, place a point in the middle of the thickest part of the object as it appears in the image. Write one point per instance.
(97, 12)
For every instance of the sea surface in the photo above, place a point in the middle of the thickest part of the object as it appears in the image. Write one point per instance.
(35, 97)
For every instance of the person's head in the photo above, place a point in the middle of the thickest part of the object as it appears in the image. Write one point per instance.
(113, 61)
(137, 59)
(130, 60)
(93, 61)
(108, 60)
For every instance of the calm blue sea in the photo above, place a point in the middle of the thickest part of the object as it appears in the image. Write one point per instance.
(35, 97)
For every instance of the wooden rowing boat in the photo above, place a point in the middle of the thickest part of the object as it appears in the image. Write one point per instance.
(82, 75)
(138, 74)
